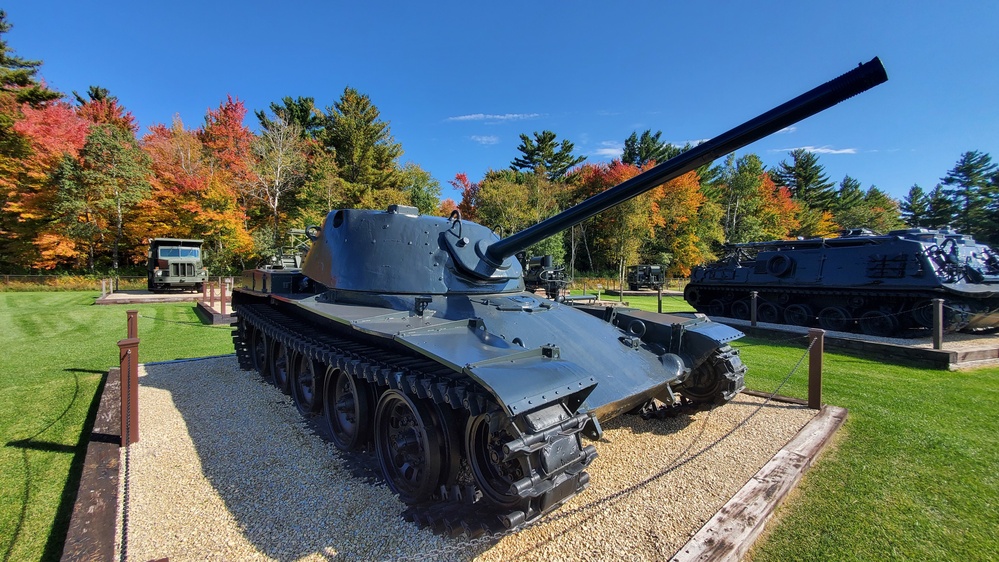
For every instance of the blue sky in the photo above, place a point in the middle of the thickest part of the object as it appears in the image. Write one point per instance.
(460, 81)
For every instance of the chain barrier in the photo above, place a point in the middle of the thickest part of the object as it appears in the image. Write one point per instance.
(677, 461)
(128, 453)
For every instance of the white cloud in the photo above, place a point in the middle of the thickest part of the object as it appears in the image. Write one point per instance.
(494, 117)
(790, 129)
(608, 152)
(817, 150)
(485, 139)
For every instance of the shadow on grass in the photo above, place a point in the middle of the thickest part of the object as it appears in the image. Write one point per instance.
(57, 537)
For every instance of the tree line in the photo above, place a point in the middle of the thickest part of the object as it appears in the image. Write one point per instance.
(82, 189)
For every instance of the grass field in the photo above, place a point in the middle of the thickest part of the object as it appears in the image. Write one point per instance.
(913, 475)
(57, 346)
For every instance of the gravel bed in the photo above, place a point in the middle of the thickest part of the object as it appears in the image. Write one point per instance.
(226, 469)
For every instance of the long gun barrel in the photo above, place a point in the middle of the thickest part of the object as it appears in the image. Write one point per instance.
(858, 80)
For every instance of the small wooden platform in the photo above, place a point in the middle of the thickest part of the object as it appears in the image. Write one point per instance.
(735, 527)
(212, 313)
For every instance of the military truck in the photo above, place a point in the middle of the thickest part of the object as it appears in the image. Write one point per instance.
(639, 276)
(175, 263)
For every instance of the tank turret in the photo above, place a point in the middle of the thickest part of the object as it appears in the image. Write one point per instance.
(367, 250)
(413, 337)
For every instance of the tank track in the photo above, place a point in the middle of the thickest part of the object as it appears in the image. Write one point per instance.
(902, 303)
(454, 510)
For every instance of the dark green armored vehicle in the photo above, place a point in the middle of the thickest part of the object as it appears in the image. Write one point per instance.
(175, 263)
(641, 276)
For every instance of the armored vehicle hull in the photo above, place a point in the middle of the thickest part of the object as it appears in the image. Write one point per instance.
(879, 285)
(414, 336)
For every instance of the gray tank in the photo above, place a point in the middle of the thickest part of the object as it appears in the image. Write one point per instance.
(879, 285)
(413, 336)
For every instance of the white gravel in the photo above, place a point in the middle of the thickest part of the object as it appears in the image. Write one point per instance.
(226, 469)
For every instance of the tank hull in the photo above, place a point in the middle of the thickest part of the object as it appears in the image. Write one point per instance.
(880, 285)
(546, 373)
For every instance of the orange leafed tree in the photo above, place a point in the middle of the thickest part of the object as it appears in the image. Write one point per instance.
(677, 210)
(777, 211)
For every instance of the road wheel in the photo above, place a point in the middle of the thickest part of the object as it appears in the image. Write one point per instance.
(408, 446)
(347, 409)
(305, 385)
(280, 365)
(835, 318)
(798, 315)
(878, 323)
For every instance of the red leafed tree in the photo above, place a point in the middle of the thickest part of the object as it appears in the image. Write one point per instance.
(227, 146)
(53, 132)
(102, 108)
(108, 111)
(469, 196)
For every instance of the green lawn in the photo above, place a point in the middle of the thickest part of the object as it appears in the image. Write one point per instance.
(913, 476)
(56, 347)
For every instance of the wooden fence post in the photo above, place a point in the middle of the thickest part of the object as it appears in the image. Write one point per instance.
(222, 296)
(128, 354)
(133, 324)
(816, 339)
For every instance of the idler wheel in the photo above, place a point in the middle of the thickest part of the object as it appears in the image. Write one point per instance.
(485, 436)
(280, 365)
(835, 318)
(259, 352)
(768, 312)
(798, 315)
(305, 384)
(346, 409)
(408, 446)
(878, 323)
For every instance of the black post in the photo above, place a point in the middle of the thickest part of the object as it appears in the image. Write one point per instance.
(816, 338)
(938, 323)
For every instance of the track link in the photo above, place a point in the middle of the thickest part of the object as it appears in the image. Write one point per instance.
(454, 510)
